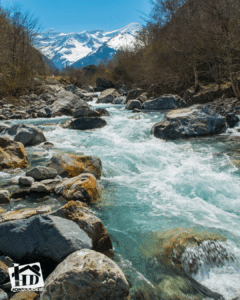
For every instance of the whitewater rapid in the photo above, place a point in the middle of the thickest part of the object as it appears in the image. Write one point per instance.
(153, 185)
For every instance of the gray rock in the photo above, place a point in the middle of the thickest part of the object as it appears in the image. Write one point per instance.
(119, 100)
(45, 113)
(27, 134)
(87, 275)
(3, 127)
(3, 295)
(65, 104)
(86, 123)
(88, 88)
(107, 96)
(133, 94)
(103, 112)
(194, 121)
(70, 88)
(85, 112)
(4, 196)
(133, 104)
(232, 120)
(143, 97)
(39, 187)
(26, 180)
(45, 237)
(165, 102)
(41, 173)
(81, 214)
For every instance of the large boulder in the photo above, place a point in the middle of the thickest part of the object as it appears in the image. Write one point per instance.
(133, 94)
(164, 102)
(48, 238)
(41, 173)
(73, 165)
(85, 112)
(133, 104)
(27, 134)
(66, 103)
(84, 188)
(87, 275)
(86, 123)
(81, 214)
(194, 121)
(107, 96)
(12, 154)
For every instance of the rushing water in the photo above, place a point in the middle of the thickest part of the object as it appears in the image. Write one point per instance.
(153, 185)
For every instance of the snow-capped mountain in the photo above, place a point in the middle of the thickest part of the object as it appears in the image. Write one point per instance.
(84, 48)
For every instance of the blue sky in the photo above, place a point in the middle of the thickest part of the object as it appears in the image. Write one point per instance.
(79, 15)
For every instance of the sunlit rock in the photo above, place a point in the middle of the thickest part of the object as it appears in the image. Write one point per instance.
(87, 275)
(12, 154)
(84, 188)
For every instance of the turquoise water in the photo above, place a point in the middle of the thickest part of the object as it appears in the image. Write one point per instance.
(153, 185)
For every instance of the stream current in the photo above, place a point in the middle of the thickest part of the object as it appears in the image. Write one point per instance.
(153, 185)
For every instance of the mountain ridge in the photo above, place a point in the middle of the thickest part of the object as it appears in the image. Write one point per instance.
(81, 48)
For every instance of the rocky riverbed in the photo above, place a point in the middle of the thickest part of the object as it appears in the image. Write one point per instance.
(132, 216)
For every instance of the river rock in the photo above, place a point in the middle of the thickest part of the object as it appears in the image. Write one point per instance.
(196, 120)
(86, 123)
(12, 154)
(27, 134)
(164, 102)
(4, 196)
(25, 295)
(143, 97)
(84, 188)
(66, 103)
(133, 94)
(24, 213)
(88, 275)
(85, 112)
(3, 295)
(119, 100)
(44, 113)
(81, 214)
(47, 238)
(103, 112)
(4, 127)
(3, 272)
(41, 173)
(70, 88)
(73, 165)
(39, 187)
(133, 104)
(26, 180)
(107, 96)
(232, 120)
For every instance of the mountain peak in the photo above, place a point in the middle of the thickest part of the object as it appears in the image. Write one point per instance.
(65, 49)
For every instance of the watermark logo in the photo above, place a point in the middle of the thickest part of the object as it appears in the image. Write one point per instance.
(26, 277)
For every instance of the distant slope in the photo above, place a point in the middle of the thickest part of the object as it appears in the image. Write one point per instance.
(49, 63)
(67, 49)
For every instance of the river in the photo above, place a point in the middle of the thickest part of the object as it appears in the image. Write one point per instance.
(153, 185)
